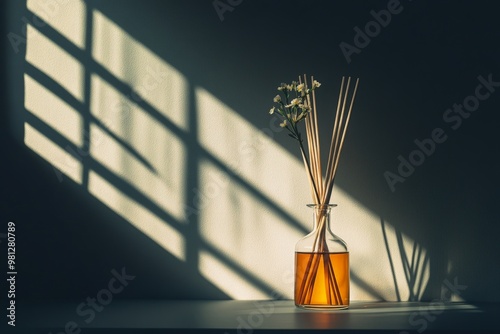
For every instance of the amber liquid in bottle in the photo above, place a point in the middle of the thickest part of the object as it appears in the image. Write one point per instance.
(322, 288)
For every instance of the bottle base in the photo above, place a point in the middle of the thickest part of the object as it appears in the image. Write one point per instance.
(323, 307)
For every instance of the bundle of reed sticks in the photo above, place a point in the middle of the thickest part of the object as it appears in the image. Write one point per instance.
(321, 187)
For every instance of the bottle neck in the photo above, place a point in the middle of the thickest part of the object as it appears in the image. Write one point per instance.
(321, 216)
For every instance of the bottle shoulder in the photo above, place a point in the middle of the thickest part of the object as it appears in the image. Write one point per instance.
(309, 244)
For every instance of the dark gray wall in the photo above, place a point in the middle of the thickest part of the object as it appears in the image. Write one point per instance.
(427, 59)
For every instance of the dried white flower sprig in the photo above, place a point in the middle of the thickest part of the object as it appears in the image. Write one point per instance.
(292, 105)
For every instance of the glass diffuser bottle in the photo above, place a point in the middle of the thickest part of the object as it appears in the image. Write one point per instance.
(321, 265)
